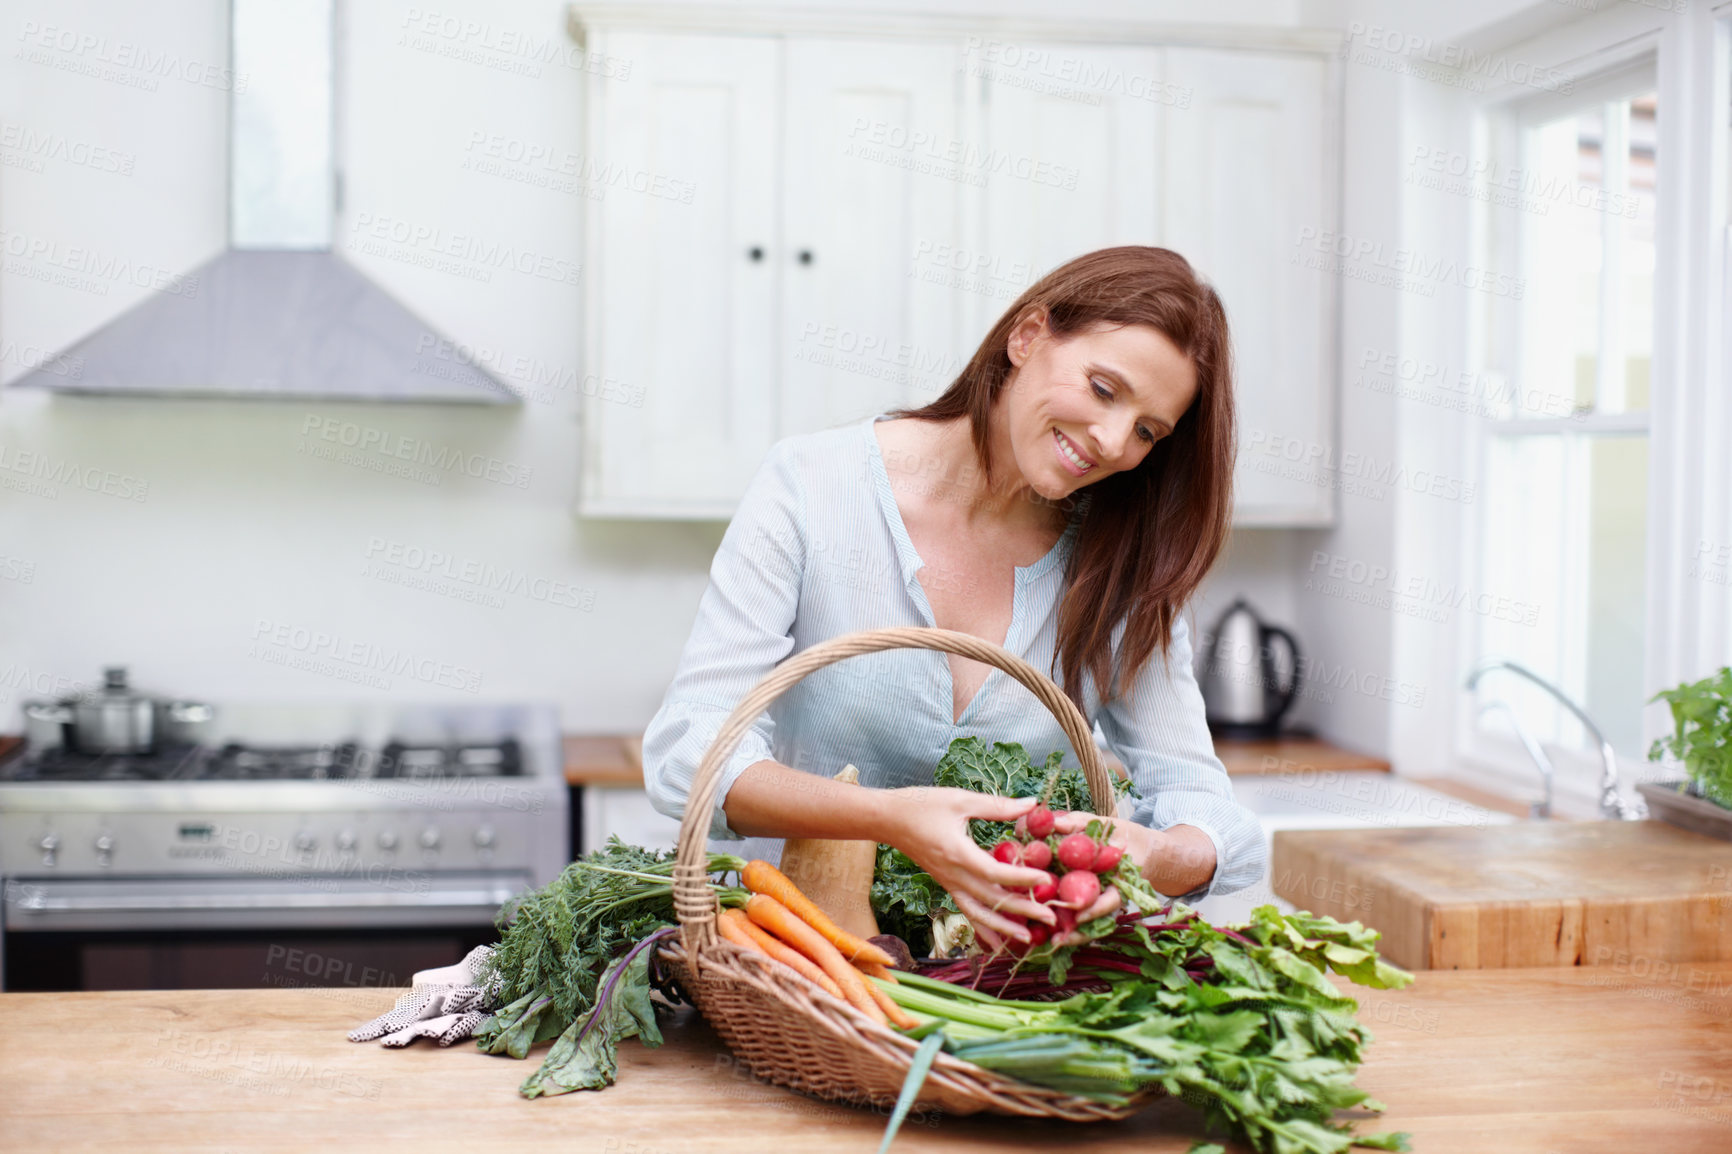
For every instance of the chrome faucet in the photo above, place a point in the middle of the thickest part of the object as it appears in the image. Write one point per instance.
(1540, 810)
(1612, 803)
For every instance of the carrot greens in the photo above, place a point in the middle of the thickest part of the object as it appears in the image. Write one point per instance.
(570, 963)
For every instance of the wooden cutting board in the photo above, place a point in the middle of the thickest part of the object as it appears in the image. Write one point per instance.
(1606, 893)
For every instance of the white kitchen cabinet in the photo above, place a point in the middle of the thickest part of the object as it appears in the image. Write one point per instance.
(1250, 167)
(1075, 132)
(862, 209)
(625, 813)
(681, 333)
(869, 125)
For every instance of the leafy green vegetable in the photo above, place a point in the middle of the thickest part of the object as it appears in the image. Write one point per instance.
(904, 896)
(584, 1057)
(559, 945)
(1240, 1022)
(1702, 733)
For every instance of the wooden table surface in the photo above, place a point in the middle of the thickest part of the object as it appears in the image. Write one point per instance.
(1583, 1061)
(1525, 894)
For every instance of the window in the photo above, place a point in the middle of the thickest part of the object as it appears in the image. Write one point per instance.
(1565, 453)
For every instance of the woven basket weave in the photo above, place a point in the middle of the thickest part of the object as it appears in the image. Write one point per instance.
(783, 1027)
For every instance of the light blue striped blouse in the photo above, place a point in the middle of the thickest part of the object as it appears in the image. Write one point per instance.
(818, 549)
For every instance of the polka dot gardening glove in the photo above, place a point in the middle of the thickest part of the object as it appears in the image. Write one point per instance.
(446, 1005)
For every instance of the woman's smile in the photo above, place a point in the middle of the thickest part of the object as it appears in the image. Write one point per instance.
(1070, 456)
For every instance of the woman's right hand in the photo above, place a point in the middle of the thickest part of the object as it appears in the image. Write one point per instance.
(930, 825)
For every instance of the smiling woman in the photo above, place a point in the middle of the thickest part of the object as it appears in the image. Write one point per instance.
(1063, 498)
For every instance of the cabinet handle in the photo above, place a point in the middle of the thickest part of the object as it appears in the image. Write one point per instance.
(805, 256)
(756, 252)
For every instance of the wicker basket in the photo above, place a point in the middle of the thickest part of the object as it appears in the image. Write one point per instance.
(784, 1028)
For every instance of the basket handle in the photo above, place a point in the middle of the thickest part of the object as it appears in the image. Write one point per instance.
(694, 901)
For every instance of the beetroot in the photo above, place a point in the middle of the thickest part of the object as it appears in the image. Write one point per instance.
(1039, 821)
(1006, 852)
(1045, 891)
(1077, 852)
(1078, 889)
(1037, 854)
(1106, 859)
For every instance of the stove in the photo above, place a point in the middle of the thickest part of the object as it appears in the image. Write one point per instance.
(236, 761)
(312, 817)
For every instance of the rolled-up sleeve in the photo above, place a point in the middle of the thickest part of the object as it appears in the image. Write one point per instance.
(1158, 730)
(744, 627)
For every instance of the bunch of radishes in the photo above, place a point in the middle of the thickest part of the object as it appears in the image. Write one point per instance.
(1081, 858)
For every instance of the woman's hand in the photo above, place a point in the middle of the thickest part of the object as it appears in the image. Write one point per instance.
(930, 825)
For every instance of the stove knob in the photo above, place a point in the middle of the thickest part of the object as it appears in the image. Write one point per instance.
(387, 839)
(305, 842)
(105, 850)
(346, 840)
(430, 837)
(50, 847)
(484, 837)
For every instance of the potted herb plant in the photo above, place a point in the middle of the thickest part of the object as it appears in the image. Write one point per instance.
(1701, 740)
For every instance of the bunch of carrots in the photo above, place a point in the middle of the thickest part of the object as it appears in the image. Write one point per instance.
(788, 927)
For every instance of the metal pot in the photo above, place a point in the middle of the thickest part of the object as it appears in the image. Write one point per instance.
(46, 723)
(114, 719)
(184, 722)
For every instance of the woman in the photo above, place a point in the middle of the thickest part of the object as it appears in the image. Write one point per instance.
(1064, 498)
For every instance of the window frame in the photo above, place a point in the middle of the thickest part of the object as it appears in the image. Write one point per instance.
(1688, 628)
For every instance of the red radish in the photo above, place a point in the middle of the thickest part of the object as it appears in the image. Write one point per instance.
(1106, 858)
(1022, 828)
(1006, 852)
(1077, 852)
(1078, 889)
(1037, 854)
(1037, 934)
(1066, 920)
(1045, 891)
(1040, 821)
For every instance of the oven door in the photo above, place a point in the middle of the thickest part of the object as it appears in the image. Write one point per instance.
(353, 933)
(392, 899)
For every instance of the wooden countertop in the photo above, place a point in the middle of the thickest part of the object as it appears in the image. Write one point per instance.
(618, 760)
(1525, 894)
(1593, 1061)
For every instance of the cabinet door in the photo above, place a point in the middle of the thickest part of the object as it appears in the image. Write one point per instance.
(1248, 167)
(1075, 133)
(679, 398)
(626, 814)
(873, 170)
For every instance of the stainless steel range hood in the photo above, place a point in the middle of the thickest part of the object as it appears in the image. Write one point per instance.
(278, 314)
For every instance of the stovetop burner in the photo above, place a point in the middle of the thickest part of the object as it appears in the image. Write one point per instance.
(347, 761)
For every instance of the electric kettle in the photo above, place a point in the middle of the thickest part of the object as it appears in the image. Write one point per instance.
(1246, 690)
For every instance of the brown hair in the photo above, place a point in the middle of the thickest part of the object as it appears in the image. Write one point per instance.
(1150, 534)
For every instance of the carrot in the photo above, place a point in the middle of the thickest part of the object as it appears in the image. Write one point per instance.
(763, 878)
(732, 930)
(899, 1017)
(735, 922)
(779, 920)
(873, 969)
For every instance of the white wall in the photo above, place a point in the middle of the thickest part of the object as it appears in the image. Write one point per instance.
(241, 536)
(239, 525)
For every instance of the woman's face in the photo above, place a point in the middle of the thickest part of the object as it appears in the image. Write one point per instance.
(1090, 404)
